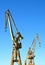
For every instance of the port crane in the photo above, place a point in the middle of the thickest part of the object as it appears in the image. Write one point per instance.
(31, 50)
(16, 39)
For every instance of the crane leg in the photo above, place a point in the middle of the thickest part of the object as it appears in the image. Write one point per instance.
(12, 59)
(19, 63)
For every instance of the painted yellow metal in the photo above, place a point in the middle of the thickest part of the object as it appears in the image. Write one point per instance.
(16, 45)
(31, 50)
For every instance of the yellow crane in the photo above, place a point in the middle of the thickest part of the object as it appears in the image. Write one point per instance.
(31, 50)
(16, 39)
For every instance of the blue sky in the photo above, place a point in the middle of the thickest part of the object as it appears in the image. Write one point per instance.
(29, 16)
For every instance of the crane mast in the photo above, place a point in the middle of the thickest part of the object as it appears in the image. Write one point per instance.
(15, 38)
(31, 50)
